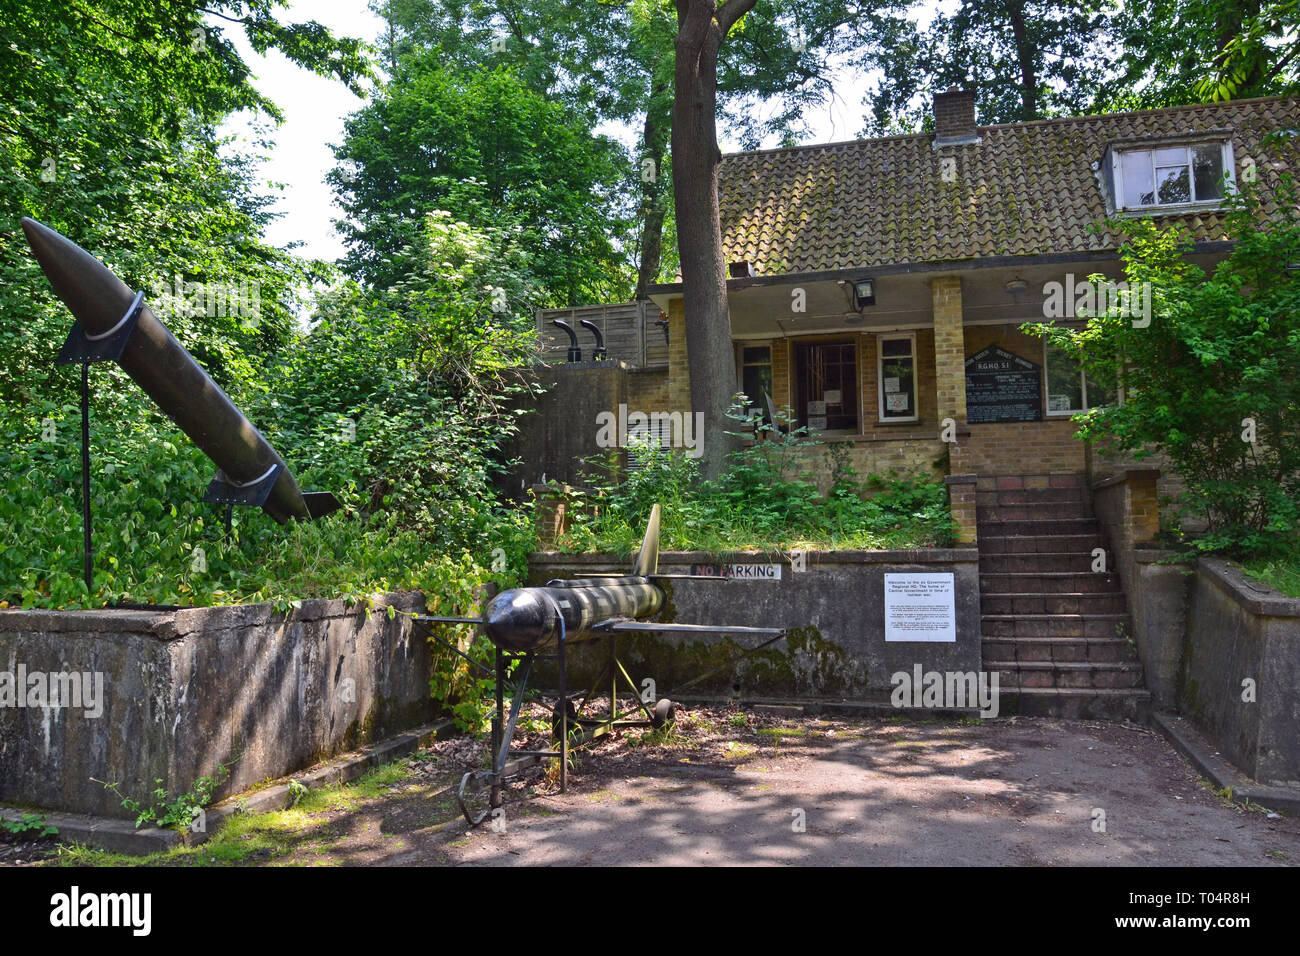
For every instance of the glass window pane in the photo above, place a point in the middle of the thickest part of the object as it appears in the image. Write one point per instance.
(1171, 156)
(1064, 382)
(896, 347)
(1101, 392)
(1135, 169)
(757, 381)
(760, 355)
(898, 388)
(1174, 184)
(1207, 165)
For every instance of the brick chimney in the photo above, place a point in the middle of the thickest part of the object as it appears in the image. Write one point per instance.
(954, 117)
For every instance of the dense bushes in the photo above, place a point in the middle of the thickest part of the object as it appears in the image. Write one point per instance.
(766, 500)
(1213, 380)
(405, 438)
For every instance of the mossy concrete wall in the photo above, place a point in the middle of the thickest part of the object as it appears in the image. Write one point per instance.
(185, 691)
(1241, 631)
(834, 609)
(1155, 581)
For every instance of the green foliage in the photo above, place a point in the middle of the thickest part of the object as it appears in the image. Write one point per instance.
(397, 401)
(1195, 51)
(1282, 574)
(1219, 360)
(767, 499)
(1024, 60)
(107, 134)
(498, 154)
(164, 811)
(30, 826)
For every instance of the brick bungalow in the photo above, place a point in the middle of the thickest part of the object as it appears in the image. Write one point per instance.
(878, 286)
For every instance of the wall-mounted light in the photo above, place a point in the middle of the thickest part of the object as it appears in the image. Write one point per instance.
(864, 292)
(1016, 286)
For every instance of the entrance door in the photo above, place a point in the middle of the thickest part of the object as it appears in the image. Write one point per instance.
(826, 377)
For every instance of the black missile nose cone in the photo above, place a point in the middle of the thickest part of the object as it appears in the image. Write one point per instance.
(89, 288)
(519, 619)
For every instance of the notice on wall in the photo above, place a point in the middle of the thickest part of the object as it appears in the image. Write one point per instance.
(1002, 387)
(744, 572)
(817, 421)
(816, 408)
(920, 607)
(831, 397)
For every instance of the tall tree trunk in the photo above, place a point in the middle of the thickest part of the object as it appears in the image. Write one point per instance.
(1025, 56)
(701, 28)
(1232, 17)
(654, 142)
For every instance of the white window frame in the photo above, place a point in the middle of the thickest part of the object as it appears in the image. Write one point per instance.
(881, 417)
(1117, 174)
(1083, 391)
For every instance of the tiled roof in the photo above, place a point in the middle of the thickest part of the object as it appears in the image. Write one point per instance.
(1024, 189)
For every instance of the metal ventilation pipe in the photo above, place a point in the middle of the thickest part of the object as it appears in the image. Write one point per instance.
(598, 353)
(575, 353)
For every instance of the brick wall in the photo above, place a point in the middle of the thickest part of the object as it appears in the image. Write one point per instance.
(1014, 448)
(1018, 448)
(1104, 463)
(647, 390)
(954, 113)
(916, 455)
(781, 385)
(679, 373)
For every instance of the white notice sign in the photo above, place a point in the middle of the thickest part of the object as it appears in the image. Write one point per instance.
(920, 607)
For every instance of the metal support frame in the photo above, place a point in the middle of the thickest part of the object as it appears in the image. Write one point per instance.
(222, 491)
(508, 762)
(86, 349)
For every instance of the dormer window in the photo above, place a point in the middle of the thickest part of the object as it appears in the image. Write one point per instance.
(1169, 176)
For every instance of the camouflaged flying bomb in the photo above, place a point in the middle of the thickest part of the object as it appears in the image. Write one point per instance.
(522, 620)
(525, 622)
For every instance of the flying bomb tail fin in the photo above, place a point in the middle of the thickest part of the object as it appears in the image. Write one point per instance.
(647, 562)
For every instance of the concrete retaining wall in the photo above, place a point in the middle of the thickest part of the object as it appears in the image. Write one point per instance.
(187, 690)
(1155, 585)
(835, 608)
(1238, 630)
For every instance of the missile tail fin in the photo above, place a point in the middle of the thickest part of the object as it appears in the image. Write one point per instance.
(647, 562)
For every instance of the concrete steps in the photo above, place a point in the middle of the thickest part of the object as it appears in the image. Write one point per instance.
(1092, 703)
(1054, 630)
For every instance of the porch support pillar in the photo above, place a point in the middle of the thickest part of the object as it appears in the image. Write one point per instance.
(679, 371)
(950, 389)
(949, 350)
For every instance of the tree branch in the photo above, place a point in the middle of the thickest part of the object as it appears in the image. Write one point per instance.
(731, 11)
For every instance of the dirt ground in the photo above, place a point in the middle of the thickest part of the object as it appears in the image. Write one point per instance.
(730, 787)
(1016, 791)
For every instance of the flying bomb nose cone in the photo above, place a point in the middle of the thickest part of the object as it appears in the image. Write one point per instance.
(92, 293)
(519, 619)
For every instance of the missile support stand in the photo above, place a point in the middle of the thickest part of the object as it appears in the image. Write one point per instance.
(85, 349)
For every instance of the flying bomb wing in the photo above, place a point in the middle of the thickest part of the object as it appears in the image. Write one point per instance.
(652, 627)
